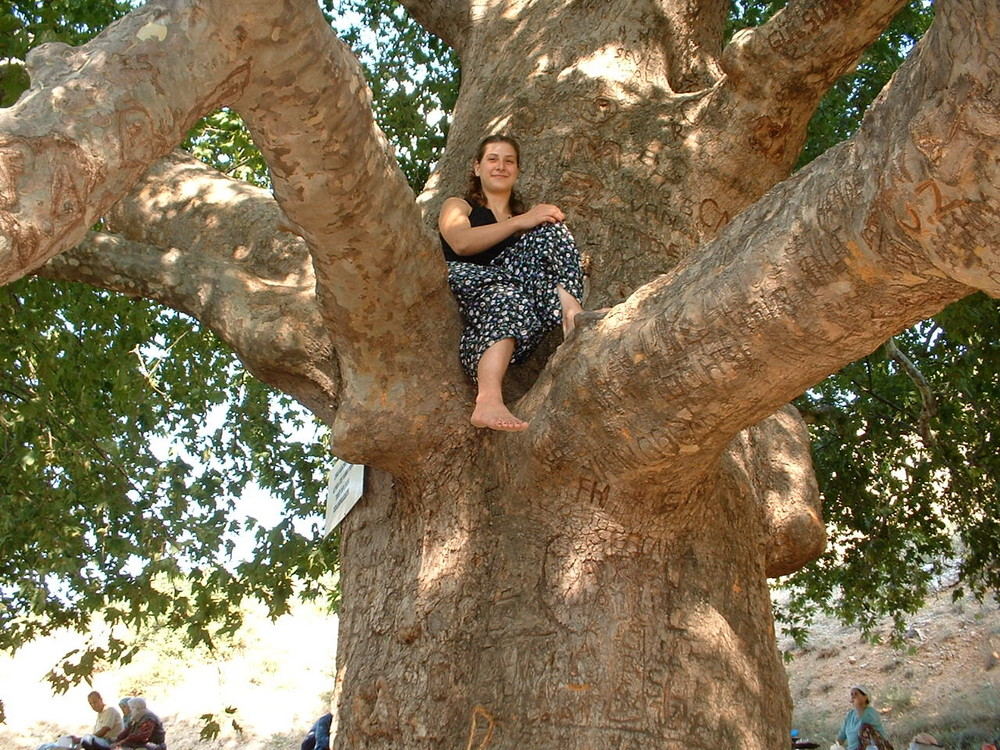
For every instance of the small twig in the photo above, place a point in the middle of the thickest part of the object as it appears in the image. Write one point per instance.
(928, 410)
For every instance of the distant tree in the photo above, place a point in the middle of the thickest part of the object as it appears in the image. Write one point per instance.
(600, 580)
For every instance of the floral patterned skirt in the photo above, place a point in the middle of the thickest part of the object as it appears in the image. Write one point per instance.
(515, 295)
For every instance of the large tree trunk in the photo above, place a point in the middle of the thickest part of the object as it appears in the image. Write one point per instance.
(541, 607)
(516, 608)
(599, 581)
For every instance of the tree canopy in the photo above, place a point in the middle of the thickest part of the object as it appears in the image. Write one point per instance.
(119, 497)
(98, 386)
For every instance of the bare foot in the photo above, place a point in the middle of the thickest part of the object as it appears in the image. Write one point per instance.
(497, 417)
(585, 318)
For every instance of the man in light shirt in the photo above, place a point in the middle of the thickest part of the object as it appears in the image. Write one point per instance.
(107, 727)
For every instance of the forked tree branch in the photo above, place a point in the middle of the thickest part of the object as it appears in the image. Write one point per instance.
(274, 329)
(380, 278)
(777, 73)
(877, 234)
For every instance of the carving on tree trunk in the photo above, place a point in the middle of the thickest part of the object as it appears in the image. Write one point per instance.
(600, 580)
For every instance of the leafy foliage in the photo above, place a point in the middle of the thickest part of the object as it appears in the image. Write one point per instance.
(211, 727)
(120, 496)
(908, 506)
(221, 140)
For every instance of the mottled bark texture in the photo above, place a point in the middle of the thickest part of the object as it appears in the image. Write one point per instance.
(600, 581)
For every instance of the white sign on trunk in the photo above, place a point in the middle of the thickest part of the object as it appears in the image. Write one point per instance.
(344, 489)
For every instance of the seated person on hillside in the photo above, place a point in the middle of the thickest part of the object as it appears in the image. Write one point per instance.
(862, 726)
(319, 736)
(126, 712)
(144, 731)
(106, 728)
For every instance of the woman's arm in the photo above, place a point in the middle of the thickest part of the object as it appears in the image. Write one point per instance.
(465, 239)
(139, 735)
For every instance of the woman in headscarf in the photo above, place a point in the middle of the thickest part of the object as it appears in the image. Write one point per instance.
(126, 711)
(862, 727)
(145, 729)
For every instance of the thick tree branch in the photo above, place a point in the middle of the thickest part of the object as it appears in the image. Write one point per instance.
(201, 243)
(274, 329)
(805, 47)
(381, 282)
(772, 457)
(879, 233)
(448, 19)
(97, 116)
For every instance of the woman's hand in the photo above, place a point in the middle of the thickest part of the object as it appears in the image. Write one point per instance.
(543, 213)
(465, 239)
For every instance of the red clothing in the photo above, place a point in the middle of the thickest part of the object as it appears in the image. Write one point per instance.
(148, 730)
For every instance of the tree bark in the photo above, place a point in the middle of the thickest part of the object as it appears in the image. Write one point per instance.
(547, 590)
(601, 580)
(225, 264)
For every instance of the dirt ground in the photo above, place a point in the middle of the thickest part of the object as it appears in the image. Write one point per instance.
(278, 677)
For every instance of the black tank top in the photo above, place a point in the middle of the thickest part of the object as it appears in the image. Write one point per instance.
(479, 217)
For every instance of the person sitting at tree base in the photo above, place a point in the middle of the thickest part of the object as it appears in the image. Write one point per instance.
(106, 728)
(862, 727)
(318, 737)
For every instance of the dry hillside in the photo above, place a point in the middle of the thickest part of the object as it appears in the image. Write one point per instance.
(945, 682)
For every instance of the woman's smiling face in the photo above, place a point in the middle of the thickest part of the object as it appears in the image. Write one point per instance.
(498, 168)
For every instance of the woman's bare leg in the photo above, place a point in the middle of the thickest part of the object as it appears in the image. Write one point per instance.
(570, 308)
(490, 409)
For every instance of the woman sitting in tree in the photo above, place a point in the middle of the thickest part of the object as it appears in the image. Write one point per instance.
(516, 275)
